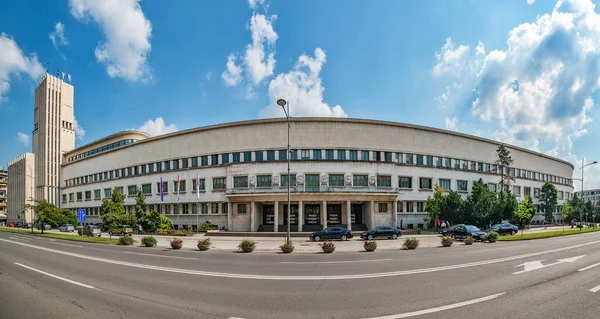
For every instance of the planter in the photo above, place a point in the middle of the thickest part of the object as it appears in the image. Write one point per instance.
(491, 240)
(447, 244)
(411, 246)
(203, 247)
(469, 241)
(247, 249)
(328, 250)
(370, 247)
(176, 246)
(287, 250)
(149, 244)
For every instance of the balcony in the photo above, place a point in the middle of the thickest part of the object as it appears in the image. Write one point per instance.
(312, 189)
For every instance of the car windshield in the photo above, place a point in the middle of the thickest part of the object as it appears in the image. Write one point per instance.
(126, 226)
(93, 227)
(374, 229)
(496, 226)
(472, 228)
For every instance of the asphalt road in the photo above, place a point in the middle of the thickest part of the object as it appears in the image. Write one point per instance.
(40, 278)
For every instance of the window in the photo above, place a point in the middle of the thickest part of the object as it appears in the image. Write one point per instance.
(473, 165)
(445, 184)
(284, 180)
(241, 208)
(410, 207)
(480, 167)
(329, 155)
(399, 208)
(131, 190)
(263, 181)
(388, 157)
(147, 189)
(462, 186)
(317, 155)
(204, 208)
(181, 187)
(438, 161)
(225, 158)
(214, 208)
(409, 159)
(447, 162)
(429, 160)
(364, 155)
(258, 156)
(224, 208)
(236, 157)
(341, 155)
(282, 155)
(64, 198)
(405, 182)
(144, 168)
(377, 156)
(270, 155)
(527, 191)
(536, 192)
(176, 164)
(517, 190)
(194, 162)
(293, 155)
(71, 197)
(240, 181)
(96, 194)
(248, 156)
(424, 183)
(336, 180)
(214, 160)
(167, 166)
(88, 195)
(384, 181)
(360, 180)
(305, 154)
(419, 159)
(79, 196)
(420, 207)
(561, 195)
(204, 160)
(492, 187)
(219, 183)
(383, 207)
(107, 193)
(158, 167)
(202, 184)
(165, 187)
(354, 155)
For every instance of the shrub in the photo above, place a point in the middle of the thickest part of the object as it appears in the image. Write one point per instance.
(204, 242)
(329, 244)
(207, 226)
(370, 243)
(287, 244)
(176, 241)
(247, 243)
(447, 239)
(126, 240)
(411, 241)
(149, 241)
(491, 236)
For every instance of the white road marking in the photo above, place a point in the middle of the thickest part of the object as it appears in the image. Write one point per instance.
(301, 278)
(535, 265)
(332, 262)
(56, 277)
(595, 289)
(128, 252)
(438, 309)
(589, 267)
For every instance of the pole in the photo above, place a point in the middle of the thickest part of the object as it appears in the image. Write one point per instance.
(289, 212)
(580, 211)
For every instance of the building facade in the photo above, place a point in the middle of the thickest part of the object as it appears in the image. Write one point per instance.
(591, 195)
(344, 172)
(53, 134)
(3, 191)
(21, 173)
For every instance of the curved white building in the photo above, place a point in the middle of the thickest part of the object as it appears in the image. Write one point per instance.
(348, 172)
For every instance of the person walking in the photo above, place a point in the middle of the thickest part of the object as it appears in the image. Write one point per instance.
(139, 229)
(443, 225)
(437, 225)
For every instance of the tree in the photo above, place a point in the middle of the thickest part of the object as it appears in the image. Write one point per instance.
(451, 208)
(589, 210)
(506, 207)
(480, 205)
(548, 200)
(140, 205)
(504, 160)
(47, 213)
(153, 220)
(112, 211)
(524, 212)
(433, 205)
(564, 211)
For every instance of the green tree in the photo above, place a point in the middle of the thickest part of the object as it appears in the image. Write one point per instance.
(506, 207)
(153, 220)
(576, 208)
(564, 211)
(46, 212)
(548, 200)
(524, 212)
(434, 204)
(589, 210)
(112, 211)
(480, 205)
(140, 204)
(503, 163)
(451, 208)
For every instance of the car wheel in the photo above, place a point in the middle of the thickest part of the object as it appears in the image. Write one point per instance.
(394, 236)
(370, 237)
(512, 232)
(317, 238)
(344, 238)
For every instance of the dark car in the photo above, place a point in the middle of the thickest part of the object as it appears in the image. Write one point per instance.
(462, 231)
(442, 230)
(45, 225)
(503, 229)
(331, 233)
(381, 232)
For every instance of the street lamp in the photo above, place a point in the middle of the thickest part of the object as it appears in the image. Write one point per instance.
(283, 103)
(582, 166)
(32, 196)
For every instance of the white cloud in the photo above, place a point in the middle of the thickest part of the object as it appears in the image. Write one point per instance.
(451, 123)
(23, 138)
(58, 35)
(451, 59)
(232, 76)
(530, 1)
(127, 45)
(13, 62)
(157, 127)
(255, 3)
(79, 131)
(208, 75)
(302, 88)
(259, 64)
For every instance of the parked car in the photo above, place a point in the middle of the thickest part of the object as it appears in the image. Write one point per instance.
(462, 231)
(23, 225)
(332, 233)
(503, 229)
(66, 228)
(381, 232)
(442, 230)
(121, 230)
(89, 230)
(11, 224)
(45, 225)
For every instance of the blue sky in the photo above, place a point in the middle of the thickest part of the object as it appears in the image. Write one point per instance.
(523, 72)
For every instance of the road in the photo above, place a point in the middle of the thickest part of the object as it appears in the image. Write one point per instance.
(40, 278)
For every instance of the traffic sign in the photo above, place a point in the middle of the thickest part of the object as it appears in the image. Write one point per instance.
(81, 215)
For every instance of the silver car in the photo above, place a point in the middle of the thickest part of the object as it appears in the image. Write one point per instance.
(90, 230)
(66, 228)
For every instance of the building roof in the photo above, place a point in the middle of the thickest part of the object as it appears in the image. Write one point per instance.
(103, 140)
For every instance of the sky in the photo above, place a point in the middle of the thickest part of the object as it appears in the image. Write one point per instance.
(522, 72)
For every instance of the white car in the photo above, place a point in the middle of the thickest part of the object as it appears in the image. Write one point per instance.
(66, 228)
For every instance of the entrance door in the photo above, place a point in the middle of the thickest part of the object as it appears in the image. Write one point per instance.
(312, 215)
(334, 214)
(293, 217)
(268, 214)
(312, 183)
(356, 213)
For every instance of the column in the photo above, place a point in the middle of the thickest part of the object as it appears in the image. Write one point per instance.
(300, 215)
(324, 213)
(252, 209)
(276, 217)
(395, 212)
(372, 214)
(229, 216)
(349, 214)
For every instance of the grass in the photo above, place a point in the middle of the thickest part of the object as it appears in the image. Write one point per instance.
(540, 235)
(101, 240)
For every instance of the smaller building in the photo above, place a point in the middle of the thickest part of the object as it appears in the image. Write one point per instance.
(591, 195)
(21, 173)
(3, 194)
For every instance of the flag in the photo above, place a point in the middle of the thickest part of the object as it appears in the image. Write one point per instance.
(178, 186)
(63, 74)
(69, 76)
(162, 197)
(198, 186)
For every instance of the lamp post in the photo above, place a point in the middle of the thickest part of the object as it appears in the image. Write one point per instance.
(582, 166)
(283, 103)
(32, 197)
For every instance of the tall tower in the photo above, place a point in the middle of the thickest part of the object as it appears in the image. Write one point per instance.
(53, 134)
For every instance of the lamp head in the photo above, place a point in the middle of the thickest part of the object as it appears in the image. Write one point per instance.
(281, 102)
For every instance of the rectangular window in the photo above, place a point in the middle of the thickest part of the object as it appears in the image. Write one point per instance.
(88, 195)
(536, 192)
(167, 165)
(225, 158)
(388, 157)
(409, 159)
(305, 154)
(448, 162)
(284, 180)
(270, 155)
(258, 156)
(282, 155)
(147, 189)
(377, 156)
(341, 155)
(194, 162)
(462, 186)
(107, 193)
(354, 155)
(294, 155)
(96, 194)
(360, 180)
(364, 155)
(527, 191)
(219, 183)
(517, 190)
(64, 198)
(263, 181)
(159, 167)
(336, 180)
(214, 160)
(71, 197)
(236, 157)
(399, 208)
(240, 181)
(419, 159)
(384, 181)
(247, 156)
(79, 196)
(410, 207)
(317, 155)
(445, 184)
(202, 184)
(405, 182)
(329, 155)
(176, 164)
(204, 160)
(144, 169)
(224, 208)
(383, 207)
(181, 187)
(473, 166)
(214, 209)
(204, 208)
(429, 160)
(492, 187)
(420, 207)
(165, 188)
(131, 190)
(425, 183)
(438, 161)
(561, 195)
(241, 208)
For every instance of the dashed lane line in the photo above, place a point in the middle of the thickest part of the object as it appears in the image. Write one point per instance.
(56, 277)
(589, 267)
